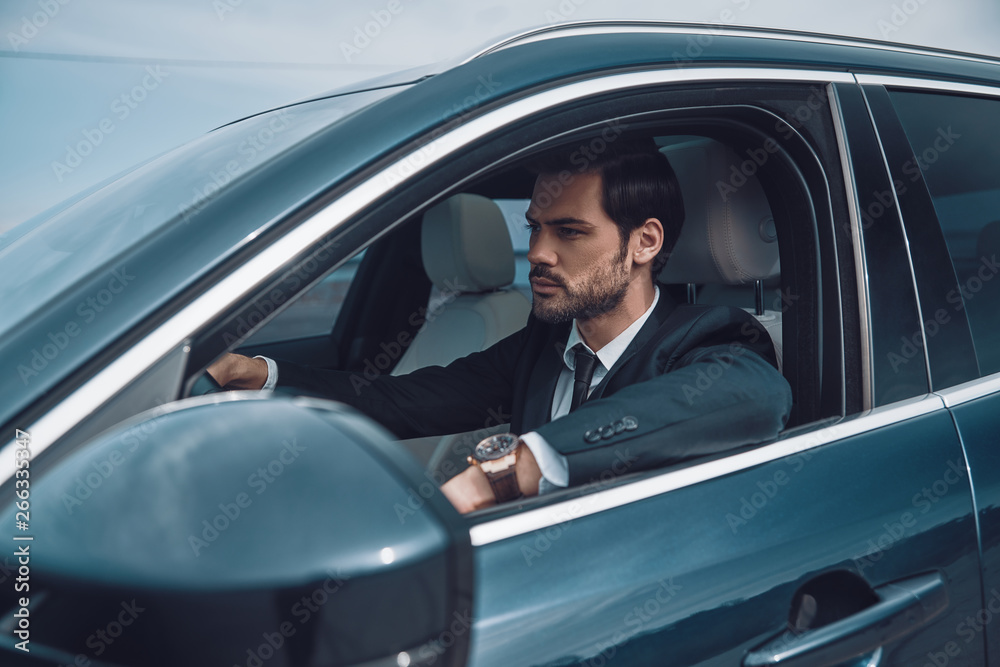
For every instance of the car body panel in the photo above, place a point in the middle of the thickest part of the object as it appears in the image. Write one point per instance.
(702, 570)
(716, 564)
(976, 422)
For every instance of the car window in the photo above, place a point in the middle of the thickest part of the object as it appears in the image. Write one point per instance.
(513, 212)
(49, 253)
(957, 151)
(315, 311)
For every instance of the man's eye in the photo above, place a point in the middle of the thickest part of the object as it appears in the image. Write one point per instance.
(530, 227)
(569, 231)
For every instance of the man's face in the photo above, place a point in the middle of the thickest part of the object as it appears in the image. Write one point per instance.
(579, 266)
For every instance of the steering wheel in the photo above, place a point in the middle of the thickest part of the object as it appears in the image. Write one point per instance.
(205, 384)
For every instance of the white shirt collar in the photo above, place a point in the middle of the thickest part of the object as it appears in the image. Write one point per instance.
(609, 354)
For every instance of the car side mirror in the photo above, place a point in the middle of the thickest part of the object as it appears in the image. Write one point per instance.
(238, 529)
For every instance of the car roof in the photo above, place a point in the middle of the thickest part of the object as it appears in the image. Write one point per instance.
(598, 26)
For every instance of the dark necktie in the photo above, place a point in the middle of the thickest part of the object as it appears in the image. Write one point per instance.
(585, 362)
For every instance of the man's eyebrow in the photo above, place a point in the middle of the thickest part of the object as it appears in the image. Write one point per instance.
(560, 221)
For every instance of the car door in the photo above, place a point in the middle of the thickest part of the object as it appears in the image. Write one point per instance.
(849, 540)
(941, 135)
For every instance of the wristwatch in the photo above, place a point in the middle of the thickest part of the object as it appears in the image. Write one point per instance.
(496, 456)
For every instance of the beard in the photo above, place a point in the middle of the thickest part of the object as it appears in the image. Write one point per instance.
(599, 292)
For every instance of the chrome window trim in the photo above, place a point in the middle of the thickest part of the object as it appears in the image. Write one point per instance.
(601, 501)
(860, 260)
(970, 391)
(604, 27)
(906, 243)
(941, 86)
(106, 383)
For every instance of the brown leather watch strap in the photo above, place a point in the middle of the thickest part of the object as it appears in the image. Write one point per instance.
(504, 485)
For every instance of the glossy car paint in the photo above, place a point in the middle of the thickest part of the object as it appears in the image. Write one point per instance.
(671, 578)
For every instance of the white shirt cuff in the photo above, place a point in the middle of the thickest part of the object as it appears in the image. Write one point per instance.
(272, 374)
(554, 467)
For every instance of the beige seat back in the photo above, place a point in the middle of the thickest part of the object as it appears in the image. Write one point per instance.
(728, 238)
(468, 256)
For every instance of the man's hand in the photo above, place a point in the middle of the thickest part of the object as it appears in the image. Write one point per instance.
(470, 490)
(234, 371)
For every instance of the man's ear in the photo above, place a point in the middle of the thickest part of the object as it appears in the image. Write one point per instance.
(647, 240)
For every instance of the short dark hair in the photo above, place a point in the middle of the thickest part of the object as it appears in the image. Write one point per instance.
(637, 183)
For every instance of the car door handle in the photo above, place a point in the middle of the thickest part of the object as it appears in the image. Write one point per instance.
(903, 607)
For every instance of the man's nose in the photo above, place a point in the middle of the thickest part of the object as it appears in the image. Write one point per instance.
(540, 251)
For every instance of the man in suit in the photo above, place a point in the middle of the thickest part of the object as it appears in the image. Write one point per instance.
(609, 374)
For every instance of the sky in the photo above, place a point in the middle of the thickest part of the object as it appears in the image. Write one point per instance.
(130, 80)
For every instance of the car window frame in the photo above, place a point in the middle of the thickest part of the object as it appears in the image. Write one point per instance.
(942, 273)
(405, 214)
(319, 228)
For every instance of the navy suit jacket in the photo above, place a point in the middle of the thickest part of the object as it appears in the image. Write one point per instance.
(695, 380)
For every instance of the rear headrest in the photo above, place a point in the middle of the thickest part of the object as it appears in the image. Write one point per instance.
(465, 245)
(728, 235)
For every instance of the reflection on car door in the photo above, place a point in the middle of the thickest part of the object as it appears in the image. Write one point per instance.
(706, 567)
(949, 141)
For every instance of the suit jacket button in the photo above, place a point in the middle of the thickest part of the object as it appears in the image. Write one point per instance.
(619, 426)
(607, 431)
(591, 436)
(630, 422)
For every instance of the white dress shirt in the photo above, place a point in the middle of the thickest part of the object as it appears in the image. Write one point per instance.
(553, 465)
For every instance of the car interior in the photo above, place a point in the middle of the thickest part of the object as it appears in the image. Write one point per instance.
(452, 279)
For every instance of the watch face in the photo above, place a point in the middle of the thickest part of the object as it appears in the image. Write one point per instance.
(495, 447)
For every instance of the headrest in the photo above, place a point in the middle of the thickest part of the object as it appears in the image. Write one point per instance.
(728, 235)
(466, 245)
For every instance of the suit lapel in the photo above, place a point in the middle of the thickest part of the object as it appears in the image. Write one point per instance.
(664, 307)
(542, 383)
